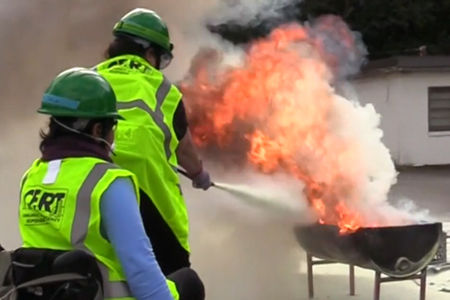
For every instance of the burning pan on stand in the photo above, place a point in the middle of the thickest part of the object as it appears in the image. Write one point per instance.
(399, 251)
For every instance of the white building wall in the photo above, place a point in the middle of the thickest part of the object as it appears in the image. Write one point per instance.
(402, 101)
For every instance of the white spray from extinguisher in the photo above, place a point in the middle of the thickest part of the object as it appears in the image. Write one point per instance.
(258, 196)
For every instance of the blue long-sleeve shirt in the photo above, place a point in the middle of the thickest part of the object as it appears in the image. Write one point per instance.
(122, 225)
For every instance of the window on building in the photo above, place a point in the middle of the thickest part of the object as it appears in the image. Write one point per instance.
(439, 108)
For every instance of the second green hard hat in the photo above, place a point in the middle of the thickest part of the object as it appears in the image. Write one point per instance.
(145, 24)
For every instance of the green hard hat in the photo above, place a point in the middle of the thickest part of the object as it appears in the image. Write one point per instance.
(80, 93)
(145, 24)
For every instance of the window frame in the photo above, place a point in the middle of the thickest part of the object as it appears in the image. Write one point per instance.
(437, 130)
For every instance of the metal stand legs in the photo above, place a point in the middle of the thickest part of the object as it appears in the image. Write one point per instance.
(311, 262)
(380, 279)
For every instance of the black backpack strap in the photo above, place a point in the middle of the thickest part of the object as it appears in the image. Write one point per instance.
(10, 292)
(5, 265)
(30, 261)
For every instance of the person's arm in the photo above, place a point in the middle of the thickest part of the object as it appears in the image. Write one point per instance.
(188, 157)
(186, 152)
(122, 224)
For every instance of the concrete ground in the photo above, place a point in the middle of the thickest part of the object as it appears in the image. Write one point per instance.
(428, 187)
(243, 253)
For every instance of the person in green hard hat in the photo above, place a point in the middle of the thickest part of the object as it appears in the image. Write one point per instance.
(154, 139)
(74, 197)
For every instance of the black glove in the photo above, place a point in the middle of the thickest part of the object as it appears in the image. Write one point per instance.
(202, 180)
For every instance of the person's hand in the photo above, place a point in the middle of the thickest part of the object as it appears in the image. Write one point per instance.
(202, 180)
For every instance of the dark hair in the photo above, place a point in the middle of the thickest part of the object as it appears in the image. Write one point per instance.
(55, 130)
(123, 44)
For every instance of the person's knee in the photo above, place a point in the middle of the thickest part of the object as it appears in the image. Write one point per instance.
(189, 284)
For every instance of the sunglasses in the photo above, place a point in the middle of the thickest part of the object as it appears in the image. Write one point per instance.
(165, 60)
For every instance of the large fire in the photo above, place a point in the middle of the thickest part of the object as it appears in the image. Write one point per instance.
(276, 111)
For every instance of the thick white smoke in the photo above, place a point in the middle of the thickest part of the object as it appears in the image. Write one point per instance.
(361, 123)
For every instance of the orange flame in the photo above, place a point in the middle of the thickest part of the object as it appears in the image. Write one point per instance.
(275, 113)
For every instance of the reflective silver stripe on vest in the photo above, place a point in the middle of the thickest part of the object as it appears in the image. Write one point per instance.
(83, 209)
(80, 227)
(156, 115)
(162, 92)
(113, 289)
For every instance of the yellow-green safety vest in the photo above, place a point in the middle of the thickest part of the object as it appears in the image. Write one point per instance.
(145, 142)
(60, 210)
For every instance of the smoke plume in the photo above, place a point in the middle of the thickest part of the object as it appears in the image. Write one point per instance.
(280, 111)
